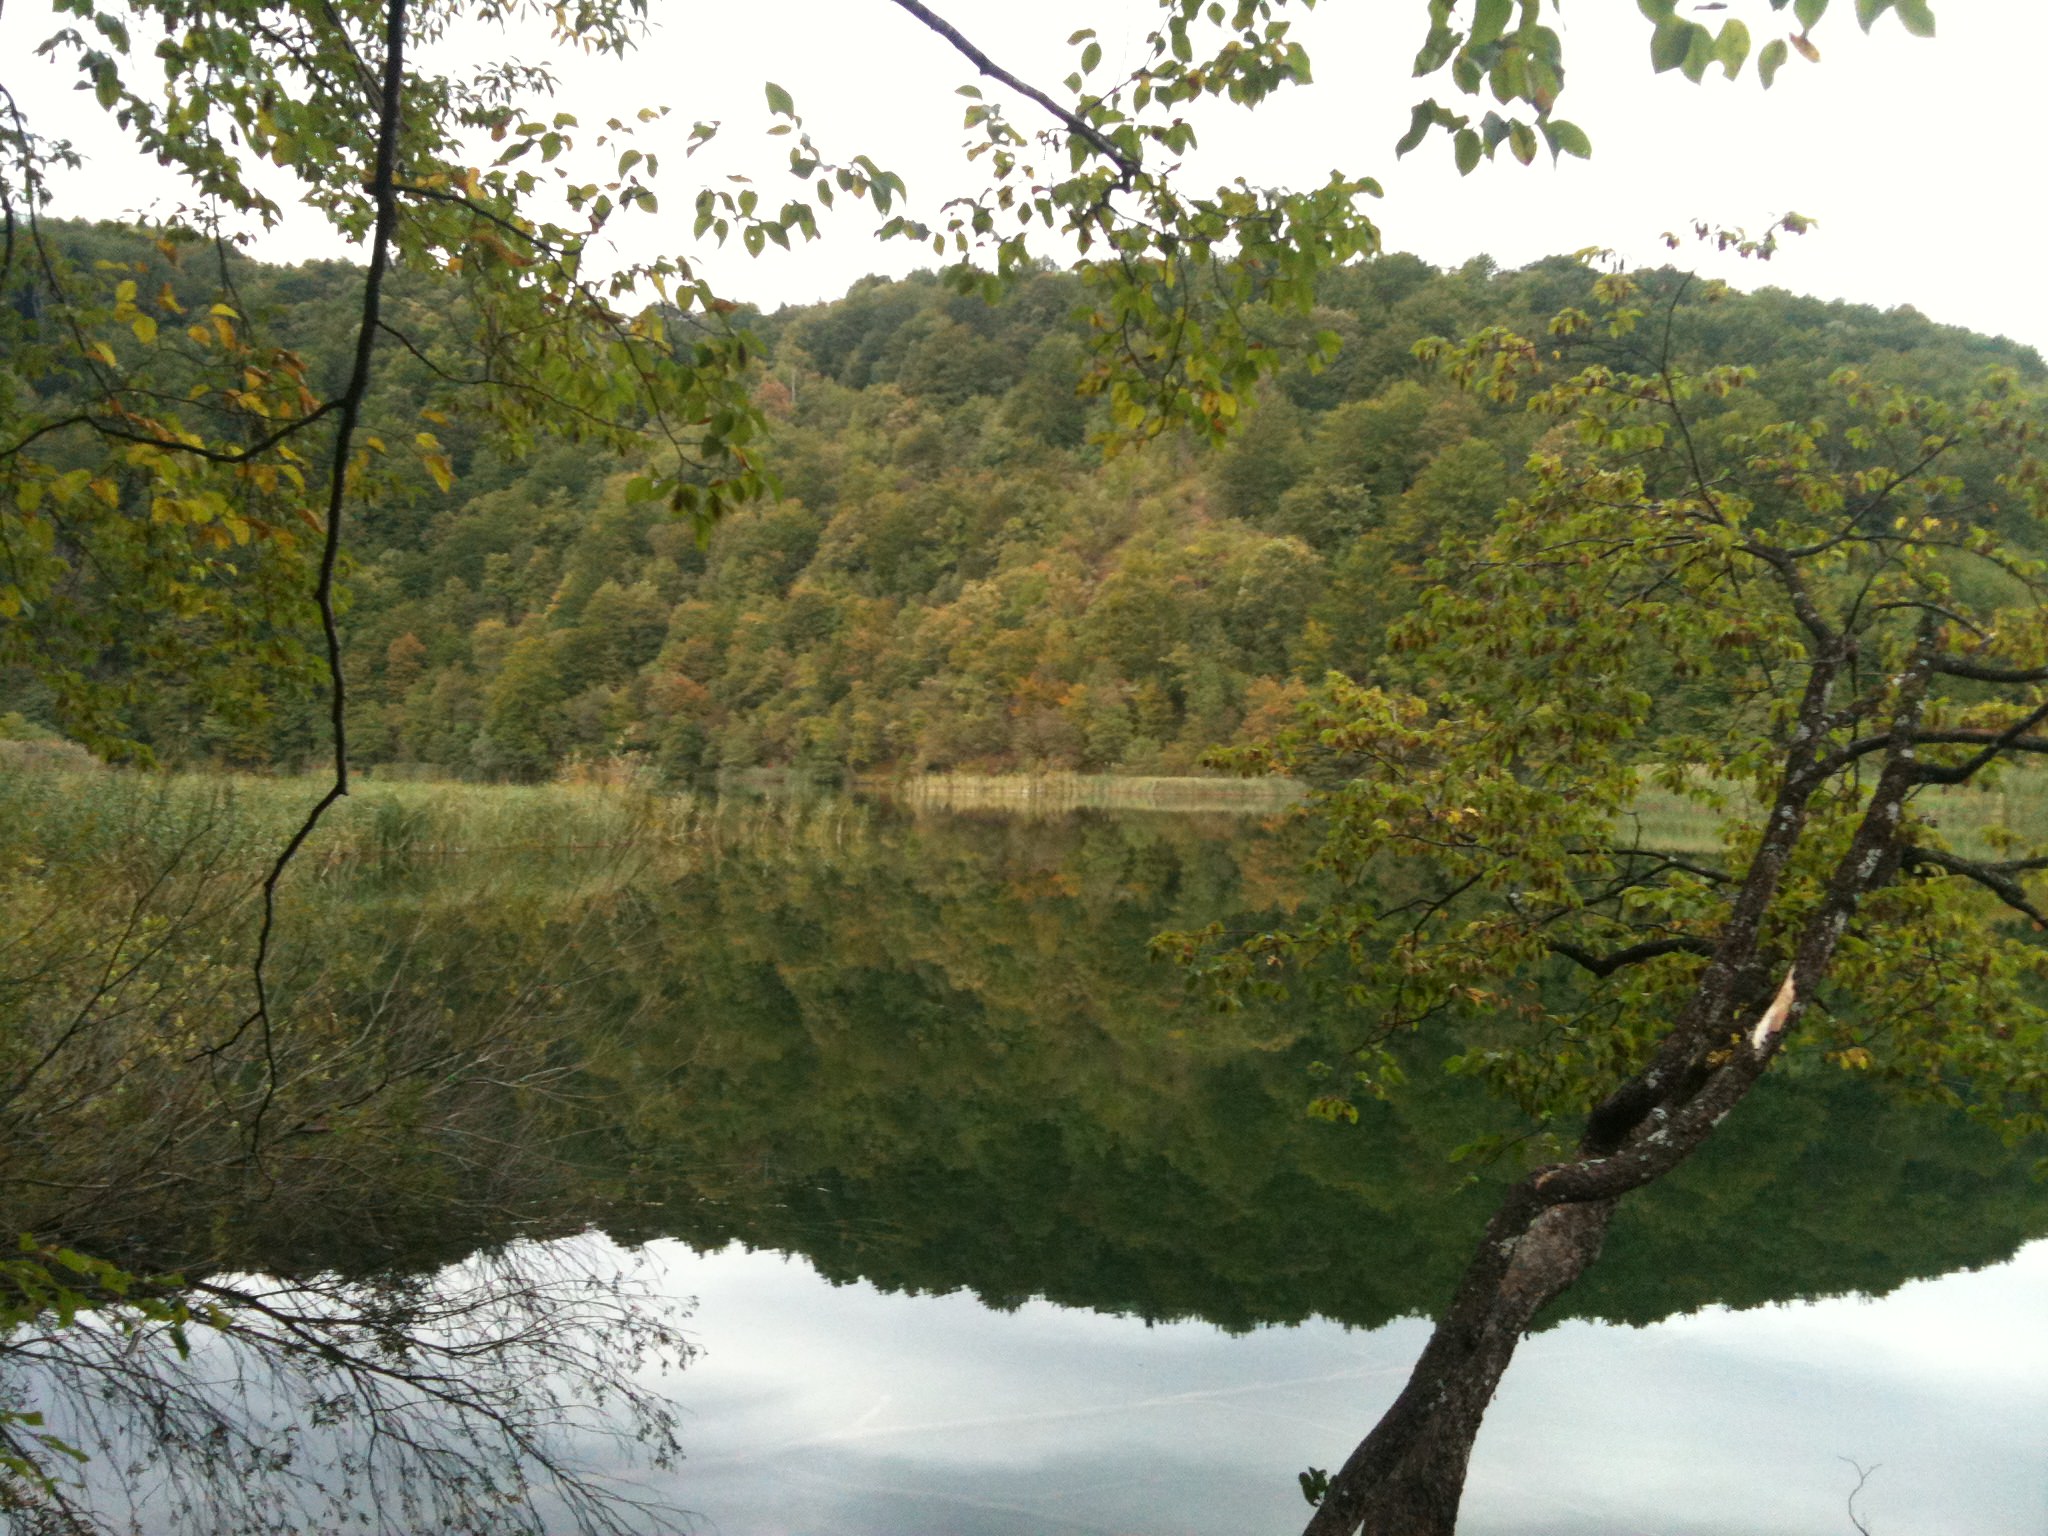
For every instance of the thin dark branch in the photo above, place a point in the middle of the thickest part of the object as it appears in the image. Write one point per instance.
(1683, 866)
(510, 226)
(1995, 878)
(350, 405)
(2013, 739)
(981, 61)
(1957, 666)
(1938, 610)
(1863, 1475)
(1635, 954)
(174, 445)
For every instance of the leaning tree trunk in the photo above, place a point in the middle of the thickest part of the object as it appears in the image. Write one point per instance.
(1408, 1476)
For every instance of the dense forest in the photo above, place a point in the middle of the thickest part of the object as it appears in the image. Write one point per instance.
(954, 575)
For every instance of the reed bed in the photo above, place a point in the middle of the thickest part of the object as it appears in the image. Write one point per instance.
(1979, 821)
(79, 815)
(54, 813)
(1055, 792)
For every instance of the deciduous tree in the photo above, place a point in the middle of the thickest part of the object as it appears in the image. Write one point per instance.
(1665, 795)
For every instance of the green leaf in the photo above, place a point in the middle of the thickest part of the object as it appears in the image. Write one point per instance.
(1699, 53)
(1867, 12)
(1419, 120)
(1489, 19)
(1732, 46)
(1466, 151)
(1668, 45)
(1916, 16)
(1808, 12)
(1771, 60)
(1090, 57)
(779, 101)
(1441, 43)
(1569, 138)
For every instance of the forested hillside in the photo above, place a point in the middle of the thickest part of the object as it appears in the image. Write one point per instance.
(954, 575)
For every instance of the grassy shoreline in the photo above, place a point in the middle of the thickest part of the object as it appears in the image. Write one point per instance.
(1055, 792)
(59, 806)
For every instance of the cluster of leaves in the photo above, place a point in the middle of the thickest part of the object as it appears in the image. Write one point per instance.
(45, 1282)
(1505, 49)
(164, 457)
(1749, 613)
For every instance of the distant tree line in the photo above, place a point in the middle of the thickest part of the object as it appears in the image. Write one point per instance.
(954, 576)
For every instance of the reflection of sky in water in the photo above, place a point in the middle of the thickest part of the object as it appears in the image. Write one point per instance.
(838, 1411)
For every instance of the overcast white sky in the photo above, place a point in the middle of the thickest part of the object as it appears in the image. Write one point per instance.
(1918, 158)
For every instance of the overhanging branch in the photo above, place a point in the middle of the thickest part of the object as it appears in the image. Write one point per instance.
(1077, 126)
(349, 405)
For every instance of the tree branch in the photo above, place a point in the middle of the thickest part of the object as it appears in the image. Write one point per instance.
(174, 445)
(981, 61)
(349, 404)
(1956, 666)
(1634, 954)
(2013, 738)
(1995, 878)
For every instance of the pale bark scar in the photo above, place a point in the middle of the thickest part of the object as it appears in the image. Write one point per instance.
(1772, 1024)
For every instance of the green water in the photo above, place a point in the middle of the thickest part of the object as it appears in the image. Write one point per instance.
(934, 1053)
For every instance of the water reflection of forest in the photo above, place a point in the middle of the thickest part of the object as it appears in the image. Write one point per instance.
(930, 1052)
(934, 1053)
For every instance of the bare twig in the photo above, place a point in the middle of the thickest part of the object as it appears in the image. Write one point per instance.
(1863, 1475)
(349, 404)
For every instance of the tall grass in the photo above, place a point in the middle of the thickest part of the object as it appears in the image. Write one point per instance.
(1978, 820)
(57, 815)
(1054, 792)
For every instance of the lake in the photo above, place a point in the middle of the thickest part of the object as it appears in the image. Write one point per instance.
(992, 1228)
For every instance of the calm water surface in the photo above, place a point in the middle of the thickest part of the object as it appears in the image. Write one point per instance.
(992, 1229)
(845, 1409)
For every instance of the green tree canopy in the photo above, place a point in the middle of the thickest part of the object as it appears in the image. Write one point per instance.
(1799, 633)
